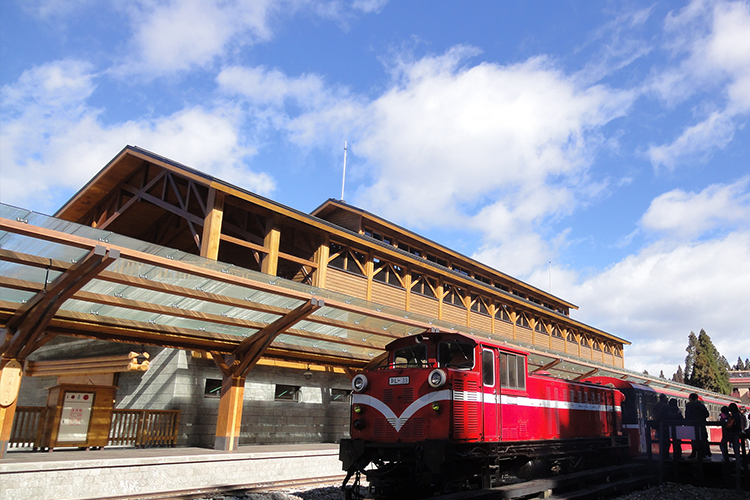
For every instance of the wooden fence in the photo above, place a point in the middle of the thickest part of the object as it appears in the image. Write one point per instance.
(138, 428)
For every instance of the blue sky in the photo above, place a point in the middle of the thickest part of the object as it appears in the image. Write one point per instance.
(608, 138)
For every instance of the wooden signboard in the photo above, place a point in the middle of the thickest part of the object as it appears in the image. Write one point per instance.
(78, 416)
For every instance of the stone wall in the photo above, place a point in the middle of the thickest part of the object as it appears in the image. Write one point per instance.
(177, 381)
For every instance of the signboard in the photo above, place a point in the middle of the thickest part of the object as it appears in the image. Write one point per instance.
(75, 416)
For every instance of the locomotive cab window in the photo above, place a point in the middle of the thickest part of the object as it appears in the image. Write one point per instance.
(488, 368)
(512, 371)
(456, 355)
(414, 356)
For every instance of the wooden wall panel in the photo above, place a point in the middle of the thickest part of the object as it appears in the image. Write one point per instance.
(388, 295)
(481, 322)
(585, 352)
(620, 362)
(503, 328)
(343, 282)
(424, 305)
(454, 314)
(541, 339)
(558, 344)
(523, 334)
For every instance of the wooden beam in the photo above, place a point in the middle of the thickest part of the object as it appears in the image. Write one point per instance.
(251, 349)
(588, 374)
(30, 320)
(270, 262)
(212, 225)
(548, 365)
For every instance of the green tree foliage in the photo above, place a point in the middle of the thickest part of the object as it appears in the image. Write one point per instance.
(708, 368)
(740, 365)
(678, 376)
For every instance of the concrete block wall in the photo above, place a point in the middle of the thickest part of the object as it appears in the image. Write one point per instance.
(176, 380)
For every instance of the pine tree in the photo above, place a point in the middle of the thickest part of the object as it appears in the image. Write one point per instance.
(678, 376)
(740, 365)
(661, 374)
(690, 358)
(708, 366)
(747, 363)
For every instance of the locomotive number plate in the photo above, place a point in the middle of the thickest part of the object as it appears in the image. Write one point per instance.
(398, 380)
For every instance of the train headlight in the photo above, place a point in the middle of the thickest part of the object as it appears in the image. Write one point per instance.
(436, 406)
(359, 424)
(437, 378)
(357, 409)
(359, 383)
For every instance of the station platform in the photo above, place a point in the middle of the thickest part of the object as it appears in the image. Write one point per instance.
(122, 472)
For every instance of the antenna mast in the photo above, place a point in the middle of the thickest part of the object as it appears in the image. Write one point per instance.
(343, 181)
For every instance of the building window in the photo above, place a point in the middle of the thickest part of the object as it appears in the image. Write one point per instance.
(453, 295)
(437, 260)
(423, 285)
(556, 332)
(597, 345)
(460, 270)
(607, 349)
(572, 338)
(379, 236)
(286, 393)
(522, 321)
(213, 388)
(347, 259)
(539, 327)
(410, 249)
(502, 314)
(388, 273)
(340, 396)
(479, 305)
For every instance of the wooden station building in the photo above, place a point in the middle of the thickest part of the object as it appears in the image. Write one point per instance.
(181, 291)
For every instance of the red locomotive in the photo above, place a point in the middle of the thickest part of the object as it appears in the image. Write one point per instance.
(446, 411)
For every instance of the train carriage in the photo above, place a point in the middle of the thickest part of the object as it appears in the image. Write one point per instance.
(447, 411)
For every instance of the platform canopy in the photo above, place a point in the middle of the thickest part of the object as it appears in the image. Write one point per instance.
(62, 278)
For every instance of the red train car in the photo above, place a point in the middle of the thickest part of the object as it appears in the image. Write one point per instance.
(446, 411)
(638, 408)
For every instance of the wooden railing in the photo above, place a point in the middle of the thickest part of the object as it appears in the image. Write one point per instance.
(28, 425)
(139, 428)
(144, 428)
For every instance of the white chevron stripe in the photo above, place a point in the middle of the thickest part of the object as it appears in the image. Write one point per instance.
(398, 421)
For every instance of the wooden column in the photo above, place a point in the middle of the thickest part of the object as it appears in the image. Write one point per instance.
(11, 372)
(407, 286)
(369, 273)
(212, 225)
(321, 259)
(270, 263)
(230, 413)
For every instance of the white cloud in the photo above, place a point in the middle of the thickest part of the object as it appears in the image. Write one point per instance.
(179, 35)
(665, 291)
(714, 37)
(689, 215)
(53, 141)
(272, 87)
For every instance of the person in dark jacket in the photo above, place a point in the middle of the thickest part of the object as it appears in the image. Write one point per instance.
(697, 413)
(731, 423)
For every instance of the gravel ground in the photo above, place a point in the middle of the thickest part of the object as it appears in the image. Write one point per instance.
(667, 491)
(672, 491)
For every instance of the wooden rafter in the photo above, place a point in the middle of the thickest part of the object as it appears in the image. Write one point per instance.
(549, 365)
(25, 329)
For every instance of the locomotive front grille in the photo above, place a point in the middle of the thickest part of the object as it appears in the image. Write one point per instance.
(465, 408)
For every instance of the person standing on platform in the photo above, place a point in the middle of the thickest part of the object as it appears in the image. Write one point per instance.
(696, 413)
(731, 423)
(660, 416)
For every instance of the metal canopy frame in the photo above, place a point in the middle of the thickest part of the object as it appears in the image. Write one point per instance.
(58, 277)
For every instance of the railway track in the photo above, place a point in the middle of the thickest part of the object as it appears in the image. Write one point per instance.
(199, 493)
(595, 483)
